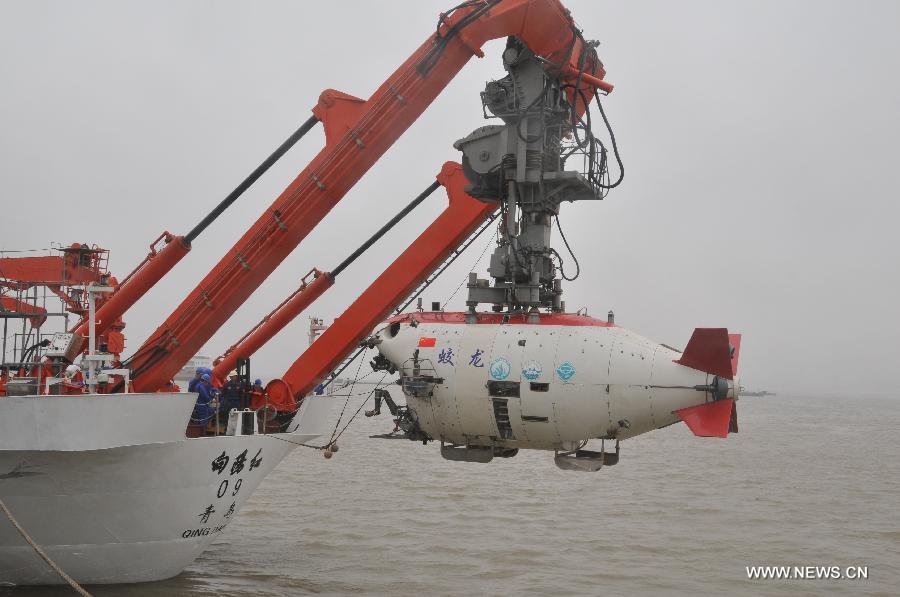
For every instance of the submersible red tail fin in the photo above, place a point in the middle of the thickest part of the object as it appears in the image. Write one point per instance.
(735, 341)
(713, 419)
(711, 350)
(714, 351)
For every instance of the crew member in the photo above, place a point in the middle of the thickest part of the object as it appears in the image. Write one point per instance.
(74, 380)
(257, 395)
(192, 385)
(205, 407)
(231, 394)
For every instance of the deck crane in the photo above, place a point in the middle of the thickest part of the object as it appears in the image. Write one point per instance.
(463, 216)
(357, 133)
(79, 265)
(459, 220)
(312, 286)
(315, 282)
(165, 253)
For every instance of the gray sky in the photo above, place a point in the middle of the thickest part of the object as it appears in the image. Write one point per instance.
(760, 141)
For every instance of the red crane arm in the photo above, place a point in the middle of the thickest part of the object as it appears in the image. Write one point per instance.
(459, 220)
(19, 308)
(357, 133)
(272, 323)
(137, 283)
(77, 265)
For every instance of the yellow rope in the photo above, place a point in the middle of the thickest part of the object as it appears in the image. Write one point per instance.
(41, 553)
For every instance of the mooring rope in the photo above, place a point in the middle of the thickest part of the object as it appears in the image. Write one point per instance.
(41, 553)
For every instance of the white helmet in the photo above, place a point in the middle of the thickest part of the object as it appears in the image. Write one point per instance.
(72, 370)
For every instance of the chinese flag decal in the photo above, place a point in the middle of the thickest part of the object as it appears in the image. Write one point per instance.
(427, 342)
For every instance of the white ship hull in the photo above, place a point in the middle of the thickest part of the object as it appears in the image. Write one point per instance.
(124, 513)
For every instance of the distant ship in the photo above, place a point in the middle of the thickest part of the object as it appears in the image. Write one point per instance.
(757, 393)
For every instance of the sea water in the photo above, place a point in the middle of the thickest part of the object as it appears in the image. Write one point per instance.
(808, 481)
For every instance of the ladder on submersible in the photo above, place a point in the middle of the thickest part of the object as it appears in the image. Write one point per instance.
(418, 291)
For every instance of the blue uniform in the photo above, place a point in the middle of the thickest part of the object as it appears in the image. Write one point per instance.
(203, 410)
(231, 396)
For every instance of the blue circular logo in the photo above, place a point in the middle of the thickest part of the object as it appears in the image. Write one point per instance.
(532, 370)
(566, 371)
(500, 368)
